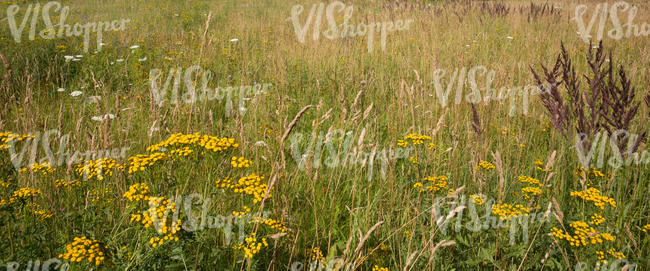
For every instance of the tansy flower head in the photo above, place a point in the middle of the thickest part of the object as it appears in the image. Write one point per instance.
(485, 165)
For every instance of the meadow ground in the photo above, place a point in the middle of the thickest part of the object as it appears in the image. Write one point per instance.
(217, 135)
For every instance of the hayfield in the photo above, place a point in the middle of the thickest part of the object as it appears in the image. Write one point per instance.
(246, 135)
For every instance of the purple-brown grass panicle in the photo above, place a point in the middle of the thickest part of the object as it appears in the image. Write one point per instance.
(552, 98)
(476, 124)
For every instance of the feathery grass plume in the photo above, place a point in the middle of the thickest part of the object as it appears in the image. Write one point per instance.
(476, 124)
(536, 11)
(495, 8)
(580, 101)
(552, 98)
(604, 104)
(617, 107)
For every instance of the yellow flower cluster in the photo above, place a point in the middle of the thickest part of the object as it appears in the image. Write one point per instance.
(530, 180)
(158, 212)
(84, 248)
(505, 211)
(68, 185)
(531, 191)
(4, 184)
(183, 144)
(601, 255)
(225, 183)
(20, 194)
(34, 209)
(477, 199)
(6, 137)
(599, 263)
(414, 160)
(25, 192)
(141, 161)
(252, 246)
(437, 183)
(97, 168)
(185, 151)
(377, 268)
(211, 143)
(596, 219)
(583, 235)
(616, 254)
(42, 215)
(646, 228)
(593, 194)
(416, 139)
(596, 173)
(240, 214)
(240, 162)
(159, 241)
(485, 165)
(274, 224)
(250, 185)
(160, 208)
(316, 254)
(431, 146)
(593, 172)
(137, 192)
(539, 166)
(43, 168)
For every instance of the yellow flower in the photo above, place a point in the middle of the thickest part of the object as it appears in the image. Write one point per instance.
(477, 199)
(616, 254)
(414, 160)
(646, 228)
(252, 246)
(505, 211)
(583, 235)
(137, 192)
(416, 139)
(84, 248)
(531, 191)
(316, 255)
(437, 183)
(530, 180)
(593, 194)
(485, 165)
(240, 162)
(597, 219)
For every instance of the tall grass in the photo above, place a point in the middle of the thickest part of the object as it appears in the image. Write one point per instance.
(333, 209)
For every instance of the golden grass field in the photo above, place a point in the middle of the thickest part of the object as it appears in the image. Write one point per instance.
(97, 174)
